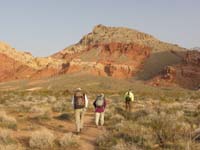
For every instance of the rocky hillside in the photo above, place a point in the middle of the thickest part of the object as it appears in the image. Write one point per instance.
(104, 35)
(19, 65)
(27, 58)
(185, 74)
(109, 51)
(196, 48)
(11, 69)
(112, 51)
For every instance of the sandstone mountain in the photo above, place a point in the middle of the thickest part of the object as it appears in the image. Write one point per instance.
(107, 51)
(113, 51)
(104, 35)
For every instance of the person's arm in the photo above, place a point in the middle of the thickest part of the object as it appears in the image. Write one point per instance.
(94, 103)
(86, 101)
(73, 102)
(105, 103)
(132, 97)
(125, 95)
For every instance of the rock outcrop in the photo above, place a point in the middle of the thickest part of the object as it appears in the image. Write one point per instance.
(27, 58)
(104, 35)
(121, 51)
(185, 74)
(20, 65)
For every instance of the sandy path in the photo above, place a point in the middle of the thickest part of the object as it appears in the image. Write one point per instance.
(90, 132)
(87, 136)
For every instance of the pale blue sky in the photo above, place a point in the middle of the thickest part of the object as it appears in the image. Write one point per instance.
(44, 27)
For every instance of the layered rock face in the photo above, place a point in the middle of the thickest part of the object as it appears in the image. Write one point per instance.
(106, 51)
(114, 59)
(186, 74)
(104, 35)
(20, 65)
(11, 69)
(110, 51)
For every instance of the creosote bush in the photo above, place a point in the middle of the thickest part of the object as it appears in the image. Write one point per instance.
(7, 121)
(69, 140)
(5, 137)
(42, 139)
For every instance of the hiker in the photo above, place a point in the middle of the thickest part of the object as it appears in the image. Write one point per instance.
(129, 97)
(79, 104)
(100, 105)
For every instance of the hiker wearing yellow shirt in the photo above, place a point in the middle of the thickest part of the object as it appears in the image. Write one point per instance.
(129, 98)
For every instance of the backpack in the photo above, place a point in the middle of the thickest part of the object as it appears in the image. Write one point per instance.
(128, 97)
(79, 100)
(99, 101)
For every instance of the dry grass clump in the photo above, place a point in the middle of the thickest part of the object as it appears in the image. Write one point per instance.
(36, 109)
(43, 115)
(7, 142)
(158, 126)
(51, 99)
(69, 140)
(124, 146)
(170, 131)
(60, 106)
(5, 136)
(7, 121)
(12, 147)
(42, 139)
(106, 141)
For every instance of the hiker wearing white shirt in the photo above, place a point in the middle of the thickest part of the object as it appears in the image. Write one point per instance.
(79, 104)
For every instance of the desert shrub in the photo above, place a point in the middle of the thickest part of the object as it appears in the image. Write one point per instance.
(60, 106)
(106, 141)
(169, 129)
(51, 99)
(24, 106)
(5, 137)
(113, 120)
(132, 115)
(42, 116)
(192, 116)
(124, 146)
(7, 121)
(69, 140)
(36, 109)
(12, 147)
(135, 134)
(42, 139)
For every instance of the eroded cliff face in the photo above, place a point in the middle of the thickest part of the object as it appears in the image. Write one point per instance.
(104, 35)
(20, 65)
(117, 60)
(186, 73)
(11, 69)
(107, 51)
